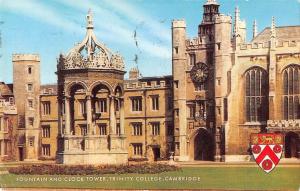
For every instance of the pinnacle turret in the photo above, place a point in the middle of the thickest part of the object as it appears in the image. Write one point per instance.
(254, 29)
(89, 20)
(273, 28)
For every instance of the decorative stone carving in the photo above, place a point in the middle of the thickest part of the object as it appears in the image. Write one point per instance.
(90, 54)
(283, 124)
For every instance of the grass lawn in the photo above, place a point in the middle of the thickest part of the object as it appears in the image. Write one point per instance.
(240, 178)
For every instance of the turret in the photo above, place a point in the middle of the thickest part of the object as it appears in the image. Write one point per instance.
(254, 29)
(205, 29)
(26, 80)
(211, 8)
(179, 61)
(273, 34)
(239, 31)
(134, 73)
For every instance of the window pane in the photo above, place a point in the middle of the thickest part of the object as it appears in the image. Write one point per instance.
(285, 83)
(291, 110)
(248, 109)
(291, 79)
(252, 83)
(296, 108)
(257, 83)
(247, 84)
(296, 81)
(285, 107)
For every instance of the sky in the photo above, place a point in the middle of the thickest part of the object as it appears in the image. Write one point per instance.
(51, 27)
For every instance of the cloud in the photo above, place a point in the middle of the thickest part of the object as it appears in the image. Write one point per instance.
(109, 26)
(133, 14)
(37, 11)
(115, 28)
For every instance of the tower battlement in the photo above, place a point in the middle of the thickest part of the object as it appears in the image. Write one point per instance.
(178, 23)
(25, 57)
(221, 18)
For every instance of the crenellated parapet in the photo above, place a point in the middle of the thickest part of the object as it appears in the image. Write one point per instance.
(25, 57)
(222, 18)
(153, 84)
(197, 43)
(285, 44)
(266, 45)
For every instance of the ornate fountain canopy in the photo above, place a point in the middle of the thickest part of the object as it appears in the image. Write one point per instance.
(90, 53)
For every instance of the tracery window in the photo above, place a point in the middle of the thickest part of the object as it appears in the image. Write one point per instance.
(256, 100)
(291, 92)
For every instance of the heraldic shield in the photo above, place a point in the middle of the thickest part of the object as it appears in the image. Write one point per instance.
(267, 149)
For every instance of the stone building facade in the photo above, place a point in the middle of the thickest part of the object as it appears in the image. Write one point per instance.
(8, 122)
(221, 90)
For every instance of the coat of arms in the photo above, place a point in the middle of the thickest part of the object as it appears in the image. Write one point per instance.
(267, 149)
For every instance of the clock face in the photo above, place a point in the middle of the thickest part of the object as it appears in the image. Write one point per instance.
(199, 72)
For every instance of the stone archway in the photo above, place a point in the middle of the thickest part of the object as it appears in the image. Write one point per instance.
(203, 146)
(292, 144)
(77, 93)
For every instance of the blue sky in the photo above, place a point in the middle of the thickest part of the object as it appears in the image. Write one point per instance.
(51, 27)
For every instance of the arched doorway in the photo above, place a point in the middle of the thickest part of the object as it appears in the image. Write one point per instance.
(292, 144)
(203, 146)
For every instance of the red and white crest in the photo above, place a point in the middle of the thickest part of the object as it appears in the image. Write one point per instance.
(267, 149)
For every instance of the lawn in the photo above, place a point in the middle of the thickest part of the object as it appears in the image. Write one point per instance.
(240, 178)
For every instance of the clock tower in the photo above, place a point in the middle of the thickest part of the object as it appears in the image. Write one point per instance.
(199, 89)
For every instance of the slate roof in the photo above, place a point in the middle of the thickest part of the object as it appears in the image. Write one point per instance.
(284, 33)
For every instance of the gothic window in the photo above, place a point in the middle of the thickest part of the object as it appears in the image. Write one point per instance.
(46, 131)
(291, 92)
(155, 102)
(136, 103)
(103, 129)
(46, 149)
(192, 59)
(46, 106)
(82, 107)
(256, 89)
(101, 105)
(137, 129)
(155, 128)
(137, 149)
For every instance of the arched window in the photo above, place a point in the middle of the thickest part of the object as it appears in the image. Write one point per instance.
(291, 92)
(256, 87)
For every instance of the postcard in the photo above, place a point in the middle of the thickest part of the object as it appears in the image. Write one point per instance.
(150, 95)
